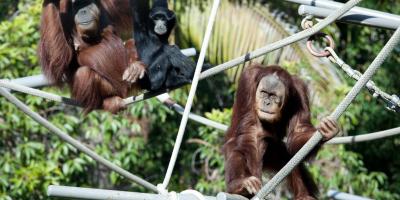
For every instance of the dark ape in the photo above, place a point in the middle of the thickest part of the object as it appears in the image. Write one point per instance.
(162, 19)
(79, 45)
(167, 66)
(270, 104)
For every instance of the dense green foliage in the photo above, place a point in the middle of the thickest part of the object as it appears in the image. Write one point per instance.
(141, 139)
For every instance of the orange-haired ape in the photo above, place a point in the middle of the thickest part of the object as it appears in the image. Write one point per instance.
(270, 104)
(80, 44)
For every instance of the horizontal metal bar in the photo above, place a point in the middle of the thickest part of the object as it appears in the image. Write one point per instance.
(32, 81)
(101, 194)
(365, 137)
(98, 194)
(332, 5)
(178, 108)
(344, 196)
(41, 81)
(353, 17)
(168, 101)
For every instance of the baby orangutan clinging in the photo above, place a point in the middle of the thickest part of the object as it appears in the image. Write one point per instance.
(270, 104)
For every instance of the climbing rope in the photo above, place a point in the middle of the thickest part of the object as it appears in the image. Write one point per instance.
(317, 137)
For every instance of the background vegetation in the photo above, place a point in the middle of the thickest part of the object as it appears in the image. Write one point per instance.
(31, 158)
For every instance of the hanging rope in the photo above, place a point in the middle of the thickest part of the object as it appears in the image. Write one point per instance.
(192, 92)
(317, 137)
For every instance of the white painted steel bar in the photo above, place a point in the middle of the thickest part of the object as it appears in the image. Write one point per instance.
(352, 17)
(365, 137)
(168, 101)
(99, 194)
(102, 194)
(333, 5)
(34, 81)
(192, 93)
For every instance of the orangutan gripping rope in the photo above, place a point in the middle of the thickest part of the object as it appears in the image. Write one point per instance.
(270, 104)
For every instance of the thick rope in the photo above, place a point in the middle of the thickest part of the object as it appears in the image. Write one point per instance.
(74, 142)
(191, 93)
(316, 138)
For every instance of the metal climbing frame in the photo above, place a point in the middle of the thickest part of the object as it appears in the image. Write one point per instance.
(162, 188)
(357, 15)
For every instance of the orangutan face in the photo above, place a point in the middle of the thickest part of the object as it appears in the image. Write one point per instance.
(270, 98)
(87, 19)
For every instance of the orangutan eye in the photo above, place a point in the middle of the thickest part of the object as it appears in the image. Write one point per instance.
(275, 98)
(264, 94)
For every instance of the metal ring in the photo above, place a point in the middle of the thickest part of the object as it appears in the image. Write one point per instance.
(324, 53)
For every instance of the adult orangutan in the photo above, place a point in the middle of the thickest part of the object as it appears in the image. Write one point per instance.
(81, 45)
(270, 104)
